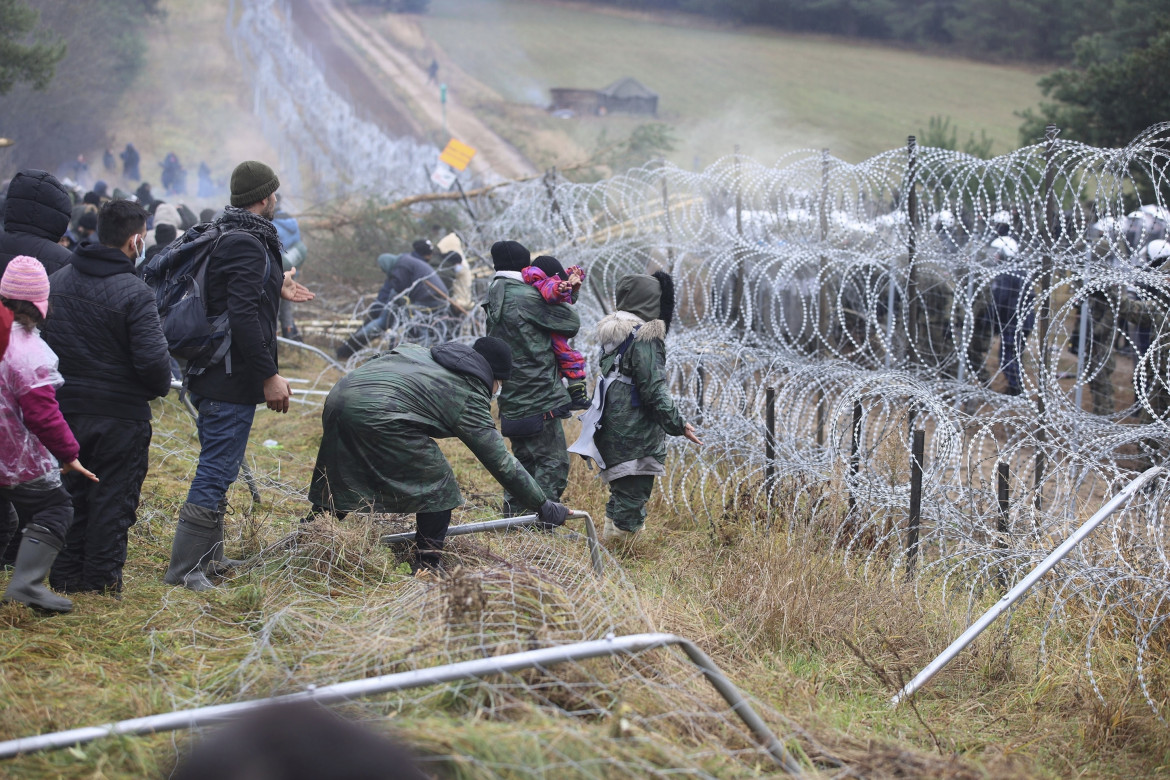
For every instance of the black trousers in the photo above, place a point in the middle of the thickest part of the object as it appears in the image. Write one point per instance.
(103, 512)
(48, 507)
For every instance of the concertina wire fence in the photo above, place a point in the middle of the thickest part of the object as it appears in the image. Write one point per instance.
(873, 299)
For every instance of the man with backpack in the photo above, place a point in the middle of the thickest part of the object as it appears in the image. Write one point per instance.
(105, 330)
(242, 286)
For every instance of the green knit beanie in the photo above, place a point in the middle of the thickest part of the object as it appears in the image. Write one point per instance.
(252, 182)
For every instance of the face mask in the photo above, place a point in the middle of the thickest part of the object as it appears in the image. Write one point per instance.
(499, 389)
(141, 252)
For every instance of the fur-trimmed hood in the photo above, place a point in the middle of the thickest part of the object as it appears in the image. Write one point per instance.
(615, 328)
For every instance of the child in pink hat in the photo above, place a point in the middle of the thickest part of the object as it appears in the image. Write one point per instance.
(34, 439)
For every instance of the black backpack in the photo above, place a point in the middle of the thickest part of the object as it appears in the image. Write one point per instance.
(177, 275)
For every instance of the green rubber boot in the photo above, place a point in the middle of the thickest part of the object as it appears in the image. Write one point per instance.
(38, 550)
(192, 549)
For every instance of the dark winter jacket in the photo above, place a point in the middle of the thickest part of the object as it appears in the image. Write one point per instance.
(517, 313)
(36, 215)
(410, 274)
(105, 330)
(236, 284)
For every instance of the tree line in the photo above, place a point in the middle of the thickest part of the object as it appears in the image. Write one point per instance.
(1047, 31)
(63, 66)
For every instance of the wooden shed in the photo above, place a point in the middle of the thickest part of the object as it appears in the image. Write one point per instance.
(630, 96)
(624, 96)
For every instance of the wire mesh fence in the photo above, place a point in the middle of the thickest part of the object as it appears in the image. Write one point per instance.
(1012, 309)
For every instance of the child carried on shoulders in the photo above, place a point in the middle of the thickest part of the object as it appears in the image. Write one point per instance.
(557, 285)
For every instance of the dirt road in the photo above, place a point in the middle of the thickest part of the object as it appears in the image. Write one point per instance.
(344, 73)
(357, 47)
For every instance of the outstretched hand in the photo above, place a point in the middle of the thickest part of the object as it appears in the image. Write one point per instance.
(292, 290)
(689, 432)
(75, 465)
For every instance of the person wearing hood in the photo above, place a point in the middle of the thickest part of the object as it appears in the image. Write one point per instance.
(36, 215)
(165, 214)
(534, 403)
(378, 455)
(106, 332)
(633, 400)
(454, 272)
(130, 160)
(292, 256)
(409, 279)
(145, 196)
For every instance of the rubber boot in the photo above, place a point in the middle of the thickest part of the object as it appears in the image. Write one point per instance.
(192, 548)
(220, 565)
(38, 550)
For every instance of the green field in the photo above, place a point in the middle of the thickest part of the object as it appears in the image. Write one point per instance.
(768, 92)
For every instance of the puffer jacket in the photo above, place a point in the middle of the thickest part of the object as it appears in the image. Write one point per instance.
(105, 329)
(36, 215)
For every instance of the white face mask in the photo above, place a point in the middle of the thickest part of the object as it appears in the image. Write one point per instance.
(499, 389)
(141, 251)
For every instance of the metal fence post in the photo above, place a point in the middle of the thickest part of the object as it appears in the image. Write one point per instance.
(855, 450)
(1001, 523)
(770, 443)
(1045, 312)
(912, 305)
(917, 453)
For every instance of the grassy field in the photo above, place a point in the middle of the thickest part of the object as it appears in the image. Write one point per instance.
(803, 632)
(768, 92)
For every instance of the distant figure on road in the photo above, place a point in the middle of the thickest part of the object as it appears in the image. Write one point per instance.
(433, 72)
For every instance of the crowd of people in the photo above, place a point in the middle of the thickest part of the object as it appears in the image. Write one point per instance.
(87, 344)
(173, 175)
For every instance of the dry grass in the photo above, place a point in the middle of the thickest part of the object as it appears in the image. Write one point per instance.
(788, 619)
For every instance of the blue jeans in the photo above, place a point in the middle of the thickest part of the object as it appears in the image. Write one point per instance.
(223, 437)
(374, 328)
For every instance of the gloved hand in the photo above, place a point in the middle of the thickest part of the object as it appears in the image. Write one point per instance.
(552, 514)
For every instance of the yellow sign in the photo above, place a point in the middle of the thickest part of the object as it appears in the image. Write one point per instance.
(457, 154)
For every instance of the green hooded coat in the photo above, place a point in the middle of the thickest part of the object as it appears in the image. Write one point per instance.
(638, 414)
(518, 314)
(377, 452)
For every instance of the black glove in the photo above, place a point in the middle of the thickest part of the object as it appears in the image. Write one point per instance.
(552, 514)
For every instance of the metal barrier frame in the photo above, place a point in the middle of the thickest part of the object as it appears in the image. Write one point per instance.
(1021, 589)
(419, 678)
(507, 523)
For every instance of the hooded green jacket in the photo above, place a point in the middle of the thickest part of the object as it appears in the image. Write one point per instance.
(518, 314)
(377, 452)
(628, 432)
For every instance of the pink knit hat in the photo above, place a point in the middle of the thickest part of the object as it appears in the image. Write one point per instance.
(25, 280)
